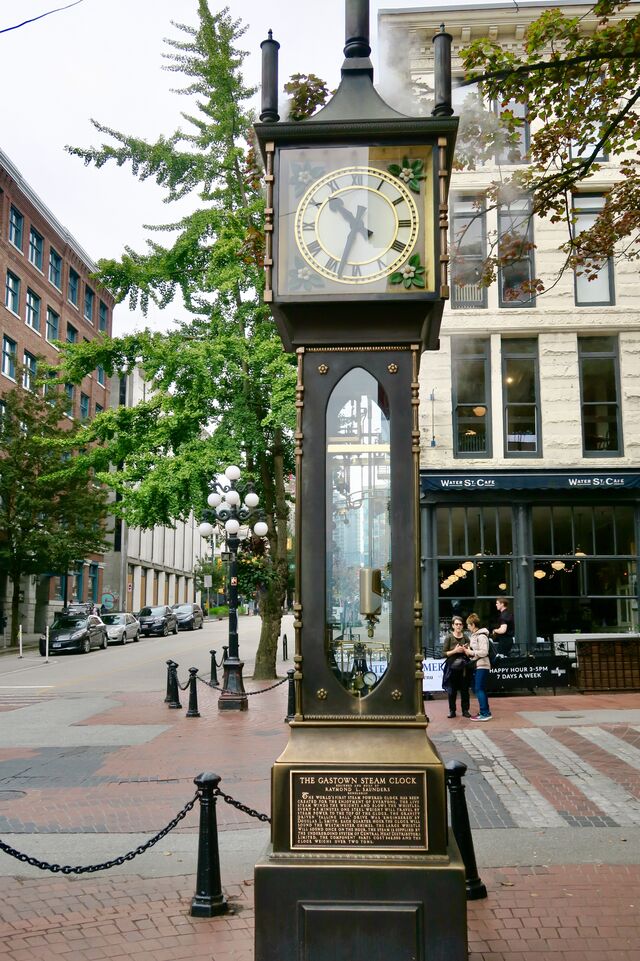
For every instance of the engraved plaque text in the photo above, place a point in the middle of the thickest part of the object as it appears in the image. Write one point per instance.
(359, 810)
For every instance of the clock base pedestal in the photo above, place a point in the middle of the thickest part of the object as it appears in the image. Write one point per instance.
(361, 865)
(314, 909)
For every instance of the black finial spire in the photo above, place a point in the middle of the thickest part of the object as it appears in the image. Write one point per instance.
(269, 112)
(356, 29)
(442, 73)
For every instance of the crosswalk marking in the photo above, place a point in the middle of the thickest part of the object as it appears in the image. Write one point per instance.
(612, 745)
(522, 800)
(611, 798)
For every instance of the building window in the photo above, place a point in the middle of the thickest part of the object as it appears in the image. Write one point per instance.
(53, 325)
(471, 382)
(599, 291)
(468, 251)
(515, 232)
(70, 391)
(16, 227)
(84, 407)
(32, 314)
(89, 298)
(12, 293)
(521, 397)
(584, 568)
(600, 396)
(73, 289)
(9, 357)
(514, 152)
(474, 561)
(93, 582)
(29, 373)
(72, 334)
(99, 409)
(100, 375)
(55, 268)
(104, 317)
(36, 248)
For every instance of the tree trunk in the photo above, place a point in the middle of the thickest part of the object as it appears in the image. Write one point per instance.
(271, 600)
(270, 607)
(15, 608)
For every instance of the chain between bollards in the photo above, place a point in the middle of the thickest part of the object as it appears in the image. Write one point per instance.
(454, 772)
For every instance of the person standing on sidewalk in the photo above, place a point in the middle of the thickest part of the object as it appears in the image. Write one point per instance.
(478, 651)
(505, 630)
(455, 676)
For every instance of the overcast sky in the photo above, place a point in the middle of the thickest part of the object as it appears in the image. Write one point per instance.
(102, 59)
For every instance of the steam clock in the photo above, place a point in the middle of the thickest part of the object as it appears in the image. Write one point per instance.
(360, 864)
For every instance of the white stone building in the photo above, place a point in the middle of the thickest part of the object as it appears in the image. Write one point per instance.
(530, 410)
(152, 566)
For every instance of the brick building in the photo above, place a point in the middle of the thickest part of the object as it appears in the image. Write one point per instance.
(49, 296)
(530, 410)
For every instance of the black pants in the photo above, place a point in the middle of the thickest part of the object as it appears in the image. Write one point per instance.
(459, 682)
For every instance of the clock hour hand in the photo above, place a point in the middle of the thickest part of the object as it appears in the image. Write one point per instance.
(337, 203)
(357, 227)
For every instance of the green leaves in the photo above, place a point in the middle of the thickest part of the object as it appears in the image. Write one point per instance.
(411, 173)
(412, 274)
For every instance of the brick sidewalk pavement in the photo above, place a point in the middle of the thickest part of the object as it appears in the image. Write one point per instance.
(568, 761)
(562, 913)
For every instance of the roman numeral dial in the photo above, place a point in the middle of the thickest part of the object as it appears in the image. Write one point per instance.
(356, 225)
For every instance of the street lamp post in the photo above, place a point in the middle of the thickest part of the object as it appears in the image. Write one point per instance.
(230, 512)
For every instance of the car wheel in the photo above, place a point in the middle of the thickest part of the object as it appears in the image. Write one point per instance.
(136, 637)
(192, 626)
(165, 630)
(86, 645)
(105, 642)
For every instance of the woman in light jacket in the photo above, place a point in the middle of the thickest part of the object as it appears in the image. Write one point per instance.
(478, 651)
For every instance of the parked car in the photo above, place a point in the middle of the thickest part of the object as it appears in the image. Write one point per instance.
(76, 633)
(189, 616)
(121, 627)
(158, 620)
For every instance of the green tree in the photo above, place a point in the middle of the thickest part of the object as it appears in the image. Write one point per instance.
(222, 388)
(51, 509)
(581, 88)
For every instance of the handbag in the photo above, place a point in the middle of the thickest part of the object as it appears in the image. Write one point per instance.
(459, 663)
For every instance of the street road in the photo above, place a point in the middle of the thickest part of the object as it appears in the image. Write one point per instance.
(132, 667)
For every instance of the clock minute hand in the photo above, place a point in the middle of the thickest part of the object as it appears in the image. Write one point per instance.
(356, 228)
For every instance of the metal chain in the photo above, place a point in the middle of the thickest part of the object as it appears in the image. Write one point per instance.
(242, 807)
(92, 868)
(264, 689)
(217, 687)
(184, 686)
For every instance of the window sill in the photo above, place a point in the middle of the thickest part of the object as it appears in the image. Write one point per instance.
(11, 311)
(18, 249)
(28, 325)
(9, 377)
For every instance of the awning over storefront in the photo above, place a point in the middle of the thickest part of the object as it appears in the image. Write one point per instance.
(565, 480)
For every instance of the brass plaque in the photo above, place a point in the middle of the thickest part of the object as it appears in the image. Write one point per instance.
(363, 810)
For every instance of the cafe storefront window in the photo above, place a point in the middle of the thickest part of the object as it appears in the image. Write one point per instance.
(584, 569)
(474, 563)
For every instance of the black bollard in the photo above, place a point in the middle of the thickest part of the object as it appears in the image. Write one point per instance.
(285, 648)
(168, 697)
(291, 697)
(192, 710)
(172, 687)
(454, 772)
(208, 900)
(225, 653)
(213, 680)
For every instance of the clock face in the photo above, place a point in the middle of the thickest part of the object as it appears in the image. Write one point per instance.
(356, 224)
(354, 221)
